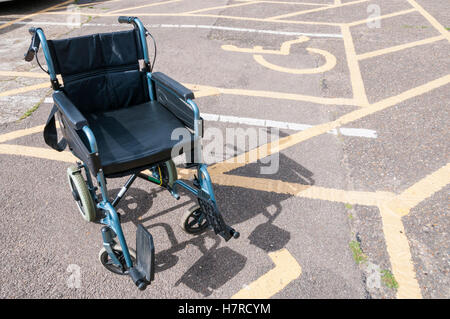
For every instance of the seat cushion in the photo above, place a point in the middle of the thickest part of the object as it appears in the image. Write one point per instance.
(137, 136)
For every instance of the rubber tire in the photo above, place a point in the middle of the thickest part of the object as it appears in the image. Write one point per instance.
(184, 219)
(117, 248)
(172, 172)
(87, 208)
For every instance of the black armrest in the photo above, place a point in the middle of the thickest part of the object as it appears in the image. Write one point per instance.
(180, 90)
(74, 117)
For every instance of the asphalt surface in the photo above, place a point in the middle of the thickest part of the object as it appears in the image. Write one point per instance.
(331, 190)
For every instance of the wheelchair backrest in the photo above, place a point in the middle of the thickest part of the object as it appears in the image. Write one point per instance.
(101, 71)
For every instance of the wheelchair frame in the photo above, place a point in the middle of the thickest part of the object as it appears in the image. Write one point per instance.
(142, 273)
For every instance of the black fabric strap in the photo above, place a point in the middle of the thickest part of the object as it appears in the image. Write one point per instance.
(50, 133)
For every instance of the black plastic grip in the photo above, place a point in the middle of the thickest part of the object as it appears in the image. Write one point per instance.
(34, 45)
(123, 19)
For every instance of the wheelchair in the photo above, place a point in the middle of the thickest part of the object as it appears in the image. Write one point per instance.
(118, 117)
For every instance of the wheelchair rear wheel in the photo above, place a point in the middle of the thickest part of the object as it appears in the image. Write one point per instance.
(194, 221)
(107, 262)
(81, 193)
(169, 173)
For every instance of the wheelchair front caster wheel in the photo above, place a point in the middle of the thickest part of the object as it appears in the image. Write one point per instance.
(107, 262)
(194, 221)
(81, 194)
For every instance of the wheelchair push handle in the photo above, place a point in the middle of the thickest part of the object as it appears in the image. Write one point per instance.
(124, 19)
(34, 45)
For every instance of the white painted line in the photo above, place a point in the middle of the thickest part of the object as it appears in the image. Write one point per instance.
(357, 132)
(191, 26)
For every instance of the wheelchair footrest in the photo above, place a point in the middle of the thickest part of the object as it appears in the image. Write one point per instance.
(143, 272)
(214, 218)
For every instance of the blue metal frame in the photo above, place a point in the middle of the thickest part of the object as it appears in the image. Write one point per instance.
(204, 180)
(143, 39)
(48, 57)
(112, 218)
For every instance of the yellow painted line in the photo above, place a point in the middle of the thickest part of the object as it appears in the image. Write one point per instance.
(141, 14)
(246, 3)
(288, 141)
(292, 14)
(421, 190)
(202, 92)
(25, 74)
(29, 75)
(285, 48)
(261, 184)
(397, 246)
(386, 16)
(143, 6)
(28, 16)
(431, 19)
(330, 62)
(300, 190)
(286, 270)
(20, 133)
(296, 189)
(359, 91)
(211, 90)
(331, 24)
(289, 96)
(400, 47)
(39, 152)
(397, 243)
(25, 89)
(289, 3)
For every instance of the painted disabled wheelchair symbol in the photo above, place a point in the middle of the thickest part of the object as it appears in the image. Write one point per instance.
(257, 51)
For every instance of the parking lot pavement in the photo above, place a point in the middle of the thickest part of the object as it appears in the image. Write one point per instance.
(357, 91)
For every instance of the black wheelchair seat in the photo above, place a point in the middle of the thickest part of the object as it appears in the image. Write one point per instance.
(136, 136)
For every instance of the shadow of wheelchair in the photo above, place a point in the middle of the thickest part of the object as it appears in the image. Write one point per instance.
(214, 269)
(218, 265)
